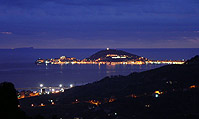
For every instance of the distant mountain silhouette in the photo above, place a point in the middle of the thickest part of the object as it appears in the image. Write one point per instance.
(24, 48)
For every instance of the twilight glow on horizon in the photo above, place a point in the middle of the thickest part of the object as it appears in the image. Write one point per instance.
(99, 23)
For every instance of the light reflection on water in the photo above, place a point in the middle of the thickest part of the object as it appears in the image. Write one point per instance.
(31, 75)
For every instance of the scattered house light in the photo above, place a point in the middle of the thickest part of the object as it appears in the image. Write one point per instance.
(170, 82)
(156, 95)
(60, 85)
(32, 105)
(111, 100)
(133, 96)
(193, 86)
(71, 85)
(62, 90)
(147, 105)
(34, 91)
(42, 104)
(94, 102)
(41, 85)
(76, 101)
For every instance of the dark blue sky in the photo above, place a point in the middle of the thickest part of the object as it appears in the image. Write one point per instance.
(99, 23)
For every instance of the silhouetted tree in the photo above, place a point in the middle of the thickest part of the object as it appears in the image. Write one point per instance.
(9, 103)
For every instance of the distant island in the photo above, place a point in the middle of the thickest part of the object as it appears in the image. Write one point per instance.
(108, 56)
(24, 48)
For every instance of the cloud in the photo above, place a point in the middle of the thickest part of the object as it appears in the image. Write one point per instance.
(103, 7)
(99, 20)
(194, 40)
(7, 33)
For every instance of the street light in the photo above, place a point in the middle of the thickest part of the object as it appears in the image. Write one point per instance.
(60, 85)
(71, 85)
(41, 85)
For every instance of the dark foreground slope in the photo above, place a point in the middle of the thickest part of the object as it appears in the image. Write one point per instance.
(8, 103)
(128, 97)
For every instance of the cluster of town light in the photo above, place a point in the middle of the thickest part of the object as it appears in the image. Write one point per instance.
(60, 85)
(53, 90)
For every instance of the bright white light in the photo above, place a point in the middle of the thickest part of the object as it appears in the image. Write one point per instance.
(60, 85)
(107, 48)
(53, 90)
(156, 95)
(71, 85)
(62, 90)
(34, 91)
(32, 105)
(41, 85)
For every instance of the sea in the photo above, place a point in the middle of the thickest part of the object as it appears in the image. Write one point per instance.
(18, 65)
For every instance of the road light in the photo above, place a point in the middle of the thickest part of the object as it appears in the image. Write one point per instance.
(41, 85)
(60, 85)
(71, 85)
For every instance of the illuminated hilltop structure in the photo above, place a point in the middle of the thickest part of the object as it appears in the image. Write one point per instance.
(113, 55)
(108, 56)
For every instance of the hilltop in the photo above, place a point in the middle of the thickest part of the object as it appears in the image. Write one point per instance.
(114, 55)
(170, 92)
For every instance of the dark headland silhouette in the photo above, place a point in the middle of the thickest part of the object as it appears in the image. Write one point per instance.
(168, 92)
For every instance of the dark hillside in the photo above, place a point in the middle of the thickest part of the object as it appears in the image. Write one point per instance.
(132, 96)
(194, 60)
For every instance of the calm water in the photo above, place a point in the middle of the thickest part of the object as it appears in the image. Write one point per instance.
(18, 66)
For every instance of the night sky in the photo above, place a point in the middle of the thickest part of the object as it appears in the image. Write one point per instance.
(99, 23)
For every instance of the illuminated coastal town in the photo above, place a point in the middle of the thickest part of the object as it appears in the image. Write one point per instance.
(109, 58)
(41, 90)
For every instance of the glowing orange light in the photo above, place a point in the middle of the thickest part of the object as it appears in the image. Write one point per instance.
(111, 100)
(42, 104)
(32, 105)
(95, 102)
(193, 86)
